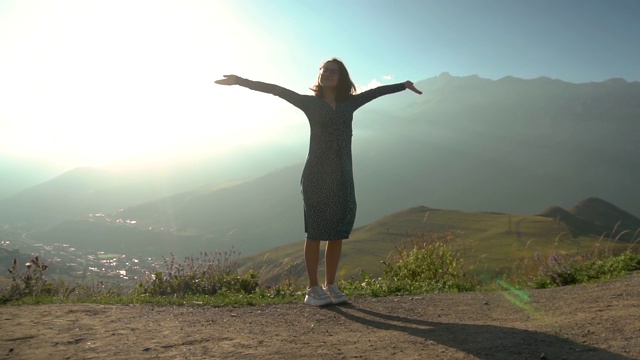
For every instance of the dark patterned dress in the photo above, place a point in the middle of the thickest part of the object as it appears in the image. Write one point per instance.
(327, 179)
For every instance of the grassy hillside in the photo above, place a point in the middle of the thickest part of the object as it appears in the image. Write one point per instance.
(491, 243)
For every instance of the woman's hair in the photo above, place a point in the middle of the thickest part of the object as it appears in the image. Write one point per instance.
(345, 87)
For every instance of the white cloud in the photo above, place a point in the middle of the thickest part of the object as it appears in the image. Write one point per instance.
(374, 83)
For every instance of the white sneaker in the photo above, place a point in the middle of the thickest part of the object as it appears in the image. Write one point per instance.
(317, 297)
(337, 296)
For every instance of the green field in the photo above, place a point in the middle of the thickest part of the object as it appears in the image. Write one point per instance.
(109, 256)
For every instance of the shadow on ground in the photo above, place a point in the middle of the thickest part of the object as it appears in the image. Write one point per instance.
(483, 341)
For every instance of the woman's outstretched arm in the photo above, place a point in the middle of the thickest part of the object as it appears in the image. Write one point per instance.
(365, 97)
(286, 94)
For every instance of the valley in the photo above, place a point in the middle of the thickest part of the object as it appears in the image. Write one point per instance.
(505, 164)
(92, 267)
(491, 244)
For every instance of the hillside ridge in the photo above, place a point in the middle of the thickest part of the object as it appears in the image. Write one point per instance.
(595, 216)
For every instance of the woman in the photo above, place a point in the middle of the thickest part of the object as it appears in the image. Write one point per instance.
(327, 179)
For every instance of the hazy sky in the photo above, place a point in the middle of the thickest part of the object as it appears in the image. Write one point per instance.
(96, 82)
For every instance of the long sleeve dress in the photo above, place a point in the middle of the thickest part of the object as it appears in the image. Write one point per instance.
(328, 190)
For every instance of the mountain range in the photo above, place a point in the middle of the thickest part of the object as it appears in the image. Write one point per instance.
(509, 145)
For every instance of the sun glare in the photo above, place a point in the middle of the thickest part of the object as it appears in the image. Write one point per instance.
(96, 81)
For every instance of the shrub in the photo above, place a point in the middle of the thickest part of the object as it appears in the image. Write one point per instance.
(563, 269)
(419, 265)
(204, 275)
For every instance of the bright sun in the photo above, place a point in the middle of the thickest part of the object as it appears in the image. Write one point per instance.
(105, 81)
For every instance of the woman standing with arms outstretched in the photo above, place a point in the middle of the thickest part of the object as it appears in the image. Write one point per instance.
(327, 179)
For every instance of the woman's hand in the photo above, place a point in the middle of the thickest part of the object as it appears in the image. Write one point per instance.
(228, 80)
(409, 85)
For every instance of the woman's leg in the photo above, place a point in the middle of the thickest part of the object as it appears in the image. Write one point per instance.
(312, 260)
(331, 259)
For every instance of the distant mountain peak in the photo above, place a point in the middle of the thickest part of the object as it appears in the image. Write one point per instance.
(602, 212)
(594, 216)
(576, 225)
(615, 81)
(509, 78)
(445, 75)
(593, 201)
(554, 212)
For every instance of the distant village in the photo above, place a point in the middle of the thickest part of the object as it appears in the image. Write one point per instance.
(72, 265)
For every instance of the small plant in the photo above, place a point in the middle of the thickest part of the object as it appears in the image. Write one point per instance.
(286, 287)
(30, 282)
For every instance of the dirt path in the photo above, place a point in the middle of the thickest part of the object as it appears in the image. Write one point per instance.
(595, 321)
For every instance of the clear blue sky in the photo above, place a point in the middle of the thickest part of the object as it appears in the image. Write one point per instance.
(575, 41)
(97, 82)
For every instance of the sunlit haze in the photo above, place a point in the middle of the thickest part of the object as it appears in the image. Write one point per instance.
(109, 83)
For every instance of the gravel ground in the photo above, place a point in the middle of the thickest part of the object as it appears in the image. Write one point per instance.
(592, 321)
